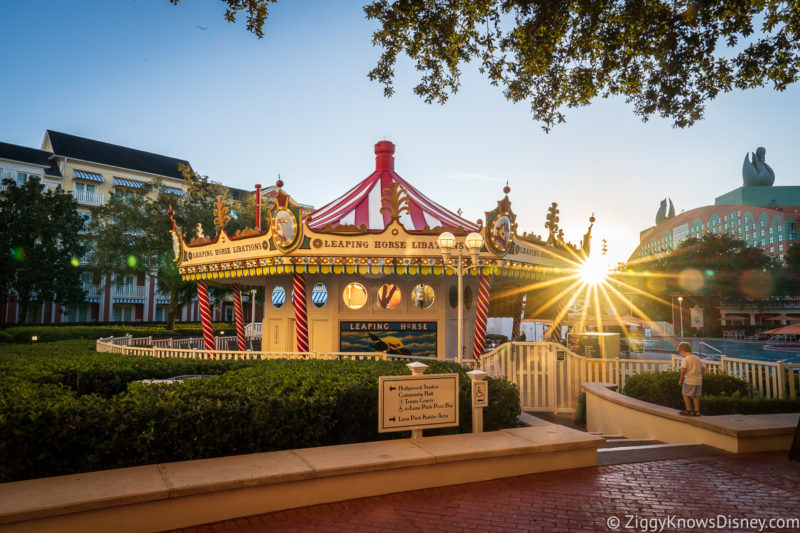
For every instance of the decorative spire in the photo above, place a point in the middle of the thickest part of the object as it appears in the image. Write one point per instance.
(552, 223)
(586, 243)
(394, 200)
(221, 214)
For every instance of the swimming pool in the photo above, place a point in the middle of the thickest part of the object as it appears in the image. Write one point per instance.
(742, 350)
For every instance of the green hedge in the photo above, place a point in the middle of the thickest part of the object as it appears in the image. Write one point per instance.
(728, 405)
(65, 409)
(23, 334)
(662, 388)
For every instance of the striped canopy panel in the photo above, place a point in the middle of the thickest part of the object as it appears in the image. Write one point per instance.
(362, 204)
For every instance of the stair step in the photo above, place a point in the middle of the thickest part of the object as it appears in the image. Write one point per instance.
(613, 437)
(653, 452)
(618, 443)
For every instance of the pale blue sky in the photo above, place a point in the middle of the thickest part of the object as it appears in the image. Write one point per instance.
(182, 82)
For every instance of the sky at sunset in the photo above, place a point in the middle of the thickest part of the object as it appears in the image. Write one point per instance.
(180, 81)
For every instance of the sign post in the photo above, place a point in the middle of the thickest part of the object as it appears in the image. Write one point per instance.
(417, 402)
(480, 398)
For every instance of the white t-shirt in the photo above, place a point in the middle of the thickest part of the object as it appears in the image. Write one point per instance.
(694, 370)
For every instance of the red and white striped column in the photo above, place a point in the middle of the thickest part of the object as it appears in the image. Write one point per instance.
(238, 316)
(205, 316)
(515, 327)
(300, 312)
(481, 315)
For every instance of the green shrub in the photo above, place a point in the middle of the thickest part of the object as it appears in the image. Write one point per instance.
(580, 409)
(24, 334)
(730, 405)
(65, 409)
(662, 388)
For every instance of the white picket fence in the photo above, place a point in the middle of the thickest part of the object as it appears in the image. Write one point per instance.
(549, 376)
(193, 349)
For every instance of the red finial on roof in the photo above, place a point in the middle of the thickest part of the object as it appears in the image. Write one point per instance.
(506, 189)
(279, 183)
(384, 152)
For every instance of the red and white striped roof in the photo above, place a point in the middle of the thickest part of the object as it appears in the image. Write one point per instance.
(362, 204)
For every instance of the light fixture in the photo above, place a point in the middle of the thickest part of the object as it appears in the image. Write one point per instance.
(474, 243)
(446, 242)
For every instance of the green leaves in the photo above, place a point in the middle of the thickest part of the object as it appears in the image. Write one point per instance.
(39, 238)
(102, 417)
(666, 58)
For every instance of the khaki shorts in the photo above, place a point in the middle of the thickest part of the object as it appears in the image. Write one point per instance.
(692, 391)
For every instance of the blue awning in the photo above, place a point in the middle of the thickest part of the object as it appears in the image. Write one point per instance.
(128, 300)
(162, 302)
(91, 300)
(91, 176)
(172, 190)
(131, 184)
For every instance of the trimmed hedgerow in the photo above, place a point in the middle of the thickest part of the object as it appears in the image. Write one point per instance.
(76, 365)
(52, 425)
(24, 334)
(662, 388)
(729, 405)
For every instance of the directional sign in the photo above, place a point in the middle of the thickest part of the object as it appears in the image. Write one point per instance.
(417, 402)
(480, 394)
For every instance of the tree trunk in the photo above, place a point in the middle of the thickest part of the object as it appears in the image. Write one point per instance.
(173, 308)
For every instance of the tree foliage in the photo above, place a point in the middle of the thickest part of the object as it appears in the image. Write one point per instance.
(713, 265)
(131, 232)
(257, 13)
(703, 269)
(665, 57)
(40, 245)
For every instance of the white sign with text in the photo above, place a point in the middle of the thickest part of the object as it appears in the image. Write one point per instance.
(417, 402)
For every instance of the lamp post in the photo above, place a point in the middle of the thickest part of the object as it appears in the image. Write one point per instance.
(680, 312)
(473, 243)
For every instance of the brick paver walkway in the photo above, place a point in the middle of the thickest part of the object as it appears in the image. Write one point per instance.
(760, 486)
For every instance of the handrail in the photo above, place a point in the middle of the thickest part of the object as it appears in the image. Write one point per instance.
(701, 343)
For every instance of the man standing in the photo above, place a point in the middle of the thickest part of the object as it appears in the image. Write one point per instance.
(691, 380)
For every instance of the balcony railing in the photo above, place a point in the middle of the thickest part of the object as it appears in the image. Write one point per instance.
(88, 258)
(92, 290)
(89, 198)
(128, 291)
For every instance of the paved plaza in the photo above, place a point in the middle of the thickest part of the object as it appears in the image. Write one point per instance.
(680, 492)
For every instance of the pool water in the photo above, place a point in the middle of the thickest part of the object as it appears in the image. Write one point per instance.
(742, 350)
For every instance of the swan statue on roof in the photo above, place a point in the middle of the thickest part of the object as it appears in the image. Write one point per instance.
(756, 172)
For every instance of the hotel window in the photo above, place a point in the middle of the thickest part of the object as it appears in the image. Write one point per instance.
(780, 227)
(780, 247)
(88, 187)
(781, 256)
(123, 313)
(22, 177)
